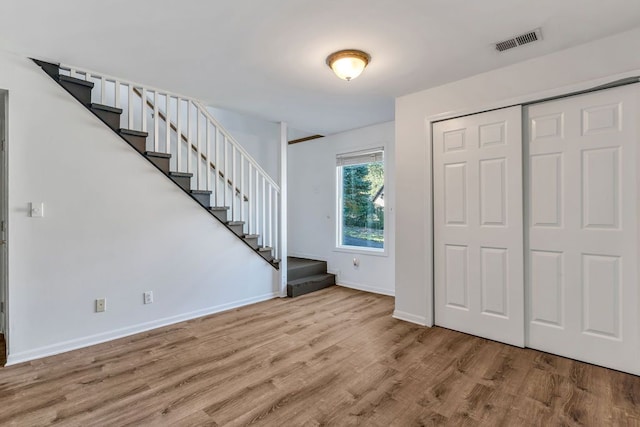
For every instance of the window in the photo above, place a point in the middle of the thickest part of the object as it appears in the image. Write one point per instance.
(360, 178)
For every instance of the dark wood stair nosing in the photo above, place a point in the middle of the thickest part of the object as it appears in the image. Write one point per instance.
(157, 154)
(132, 132)
(74, 80)
(107, 108)
(181, 174)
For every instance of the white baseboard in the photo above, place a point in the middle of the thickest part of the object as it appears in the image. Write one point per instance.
(90, 340)
(365, 288)
(412, 318)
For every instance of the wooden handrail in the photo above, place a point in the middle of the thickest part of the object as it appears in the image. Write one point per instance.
(306, 138)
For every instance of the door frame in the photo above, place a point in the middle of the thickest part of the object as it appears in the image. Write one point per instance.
(4, 201)
(615, 80)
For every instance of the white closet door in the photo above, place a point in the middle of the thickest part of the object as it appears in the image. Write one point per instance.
(478, 241)
(582, 217)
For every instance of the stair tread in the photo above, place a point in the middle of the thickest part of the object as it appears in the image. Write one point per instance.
(132, 132)
(235, 222)
(265, 249)
(251, 236)
(314, 278)
(75, 80)
(200, 192)
(106, 108)
(156, 154)
(181, 174)
(219, 208)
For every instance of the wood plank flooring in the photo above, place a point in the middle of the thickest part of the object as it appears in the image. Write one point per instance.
(334, 357)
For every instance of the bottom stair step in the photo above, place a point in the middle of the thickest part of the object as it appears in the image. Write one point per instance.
(310, 284)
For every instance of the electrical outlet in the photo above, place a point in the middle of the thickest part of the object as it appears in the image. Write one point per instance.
(101, 305)
(148, 297)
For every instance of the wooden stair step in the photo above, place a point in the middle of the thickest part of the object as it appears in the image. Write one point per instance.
(220, 212)
(252, 240)
(80, 89)
(135, 138)
(310, 284)
(161, 160)
(266, 253)
(109, 115)
(203, 197)
(237, 227)
(183, 179)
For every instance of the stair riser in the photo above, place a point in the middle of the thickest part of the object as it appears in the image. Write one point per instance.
(308, 287)
(110, 118)
(237, 229)
(203, 199)
(308, 270)
(221, 215)
(253, 242)
(161, 163)
(182, 181)
(51, 69)
(266, 255)
(80, 92)
(137, 142)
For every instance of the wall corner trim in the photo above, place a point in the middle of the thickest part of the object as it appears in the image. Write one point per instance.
(411, 318)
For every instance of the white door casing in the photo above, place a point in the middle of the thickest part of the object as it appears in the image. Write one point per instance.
(478, 226)
(3, 213)
(582, 219)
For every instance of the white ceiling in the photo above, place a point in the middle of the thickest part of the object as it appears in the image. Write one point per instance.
(266, 57)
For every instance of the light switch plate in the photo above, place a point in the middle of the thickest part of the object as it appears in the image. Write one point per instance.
(37, 209)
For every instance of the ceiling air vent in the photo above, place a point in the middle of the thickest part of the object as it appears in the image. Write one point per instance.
(529, 37)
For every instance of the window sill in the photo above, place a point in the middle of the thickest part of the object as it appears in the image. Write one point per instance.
(361, 251)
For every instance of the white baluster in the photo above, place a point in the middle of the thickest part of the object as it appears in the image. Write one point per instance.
(198, 151)
(242, 215)
(275, 224)
(167, 121)
(216, 180)
(264, 214)
(130, 105)
(234, 181)
(179, 135)
(208, 160)
(103, 96)
(144, 110)
(270, 217)
(189, 138)
(250, 225)
(226, 168)
(117, 94)
(156, 122)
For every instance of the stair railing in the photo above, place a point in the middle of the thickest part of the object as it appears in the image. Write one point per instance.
(183, 127)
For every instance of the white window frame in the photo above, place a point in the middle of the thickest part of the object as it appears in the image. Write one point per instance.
(339, 205)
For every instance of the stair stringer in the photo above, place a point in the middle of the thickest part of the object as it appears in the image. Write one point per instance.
(52, 70)
(113, 228)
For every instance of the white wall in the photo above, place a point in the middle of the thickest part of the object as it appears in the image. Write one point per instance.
(573, 69)
(261, 138)
(114, 227)
(312, 207)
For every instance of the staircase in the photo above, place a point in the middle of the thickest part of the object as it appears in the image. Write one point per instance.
(180, 138)
(307, 275)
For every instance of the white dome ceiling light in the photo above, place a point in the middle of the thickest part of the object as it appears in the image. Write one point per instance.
(348, 64)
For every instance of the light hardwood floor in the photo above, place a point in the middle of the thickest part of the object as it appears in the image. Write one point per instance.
(334, 357)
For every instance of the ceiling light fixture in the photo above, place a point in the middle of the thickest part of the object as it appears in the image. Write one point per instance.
(349, 63)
